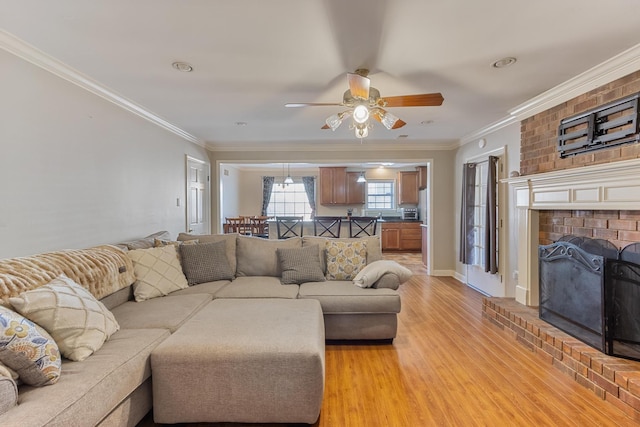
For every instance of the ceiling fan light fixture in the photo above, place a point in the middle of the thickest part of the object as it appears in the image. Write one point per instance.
(388, 120)
(361, 114)
(362, 131)
(334, 121)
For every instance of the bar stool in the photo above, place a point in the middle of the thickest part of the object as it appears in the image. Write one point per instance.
(289, 226)
(362, 226)
(327, 226)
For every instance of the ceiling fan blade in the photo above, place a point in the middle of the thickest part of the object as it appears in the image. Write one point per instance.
(325, 127)
(398, 124)
(358, 85)
(311, 104)
(423, 100)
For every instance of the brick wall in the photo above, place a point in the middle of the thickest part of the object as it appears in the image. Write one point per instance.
(619, 227)
(539, 133)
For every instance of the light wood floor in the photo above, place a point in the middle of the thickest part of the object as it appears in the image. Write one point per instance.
(449, 367)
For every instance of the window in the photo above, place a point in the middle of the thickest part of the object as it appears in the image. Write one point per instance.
(380, 195)
(289, 200)
(480, 214)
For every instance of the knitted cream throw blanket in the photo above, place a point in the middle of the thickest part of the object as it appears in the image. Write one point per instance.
(102, 270)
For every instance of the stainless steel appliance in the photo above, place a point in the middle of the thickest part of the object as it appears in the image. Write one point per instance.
(410, 213)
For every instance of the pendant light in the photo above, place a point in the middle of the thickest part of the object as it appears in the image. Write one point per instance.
(361, 178)
(288, 180)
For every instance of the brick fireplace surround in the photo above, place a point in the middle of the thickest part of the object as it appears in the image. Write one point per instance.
(595, 194)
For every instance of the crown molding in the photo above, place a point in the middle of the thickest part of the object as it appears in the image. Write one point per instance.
(325, 146)
(21, 49)
(614, 68)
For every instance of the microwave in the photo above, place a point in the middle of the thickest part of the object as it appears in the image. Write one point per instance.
(410, 213)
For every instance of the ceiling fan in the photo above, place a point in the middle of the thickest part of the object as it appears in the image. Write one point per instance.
(364, 101)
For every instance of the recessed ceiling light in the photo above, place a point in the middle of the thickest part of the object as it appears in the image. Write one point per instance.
(426, 122)
(504, 62)
(402, 136)
(241, 123)
(182, 66)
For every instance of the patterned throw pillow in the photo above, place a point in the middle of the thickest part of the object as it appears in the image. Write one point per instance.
(158, 272)
(78, 322)
(28, 349)
(300, 265)
(345, 259)
(206, 262)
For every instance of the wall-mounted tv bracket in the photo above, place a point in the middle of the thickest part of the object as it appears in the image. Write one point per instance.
(609, 125)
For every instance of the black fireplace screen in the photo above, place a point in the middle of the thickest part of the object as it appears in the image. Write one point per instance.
(591, 291)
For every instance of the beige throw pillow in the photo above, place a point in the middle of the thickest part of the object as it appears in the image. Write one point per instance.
(371, 273)
(345, 259)
(158, 272)
(78, 322)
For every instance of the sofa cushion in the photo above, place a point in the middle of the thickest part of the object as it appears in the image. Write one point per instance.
(8, 393)
(158, 272)
(345, 297)
(28, 349)
(205, 262)
(228, 239)
(345, 259)
(158, 243)
(78, 322)
(257, 256)
(300, 265)
(90, 389)
(374, 248)
(257, 287)
(372, 272)
(160, 313)
(145, 242)
(210, 288)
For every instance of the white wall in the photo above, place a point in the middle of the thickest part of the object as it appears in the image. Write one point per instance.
(77, 171)
(508, 138)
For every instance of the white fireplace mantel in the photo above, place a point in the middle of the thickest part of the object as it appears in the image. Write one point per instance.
(610, 186)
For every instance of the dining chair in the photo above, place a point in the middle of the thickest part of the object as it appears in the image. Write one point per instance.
(362, 226)
(233, 224)
(327, 226)
(289, 226)
(259, 226)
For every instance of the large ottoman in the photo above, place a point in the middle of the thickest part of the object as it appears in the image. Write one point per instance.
(242, 360)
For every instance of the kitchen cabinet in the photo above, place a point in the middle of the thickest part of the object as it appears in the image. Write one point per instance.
(333, 186)
(410, 236)
(390, 237)
(355, 189)
(401, 236)
(408, 188)
(422, 177)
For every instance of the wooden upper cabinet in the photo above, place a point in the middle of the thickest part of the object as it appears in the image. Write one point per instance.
(333, 186)
(408, 188)
(422, 177)
(355, 189)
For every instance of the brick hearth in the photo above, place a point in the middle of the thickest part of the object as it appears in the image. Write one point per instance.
(613, 379)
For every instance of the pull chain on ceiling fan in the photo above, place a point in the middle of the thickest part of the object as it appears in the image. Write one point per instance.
(364, 102)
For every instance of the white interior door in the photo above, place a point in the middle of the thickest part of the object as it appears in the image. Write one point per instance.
(198, 205)
(490, 284)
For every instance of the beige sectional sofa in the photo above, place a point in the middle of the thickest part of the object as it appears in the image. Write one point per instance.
(113, 385)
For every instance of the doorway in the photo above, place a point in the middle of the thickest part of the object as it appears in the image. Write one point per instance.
(477, 278)
(198, 205)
